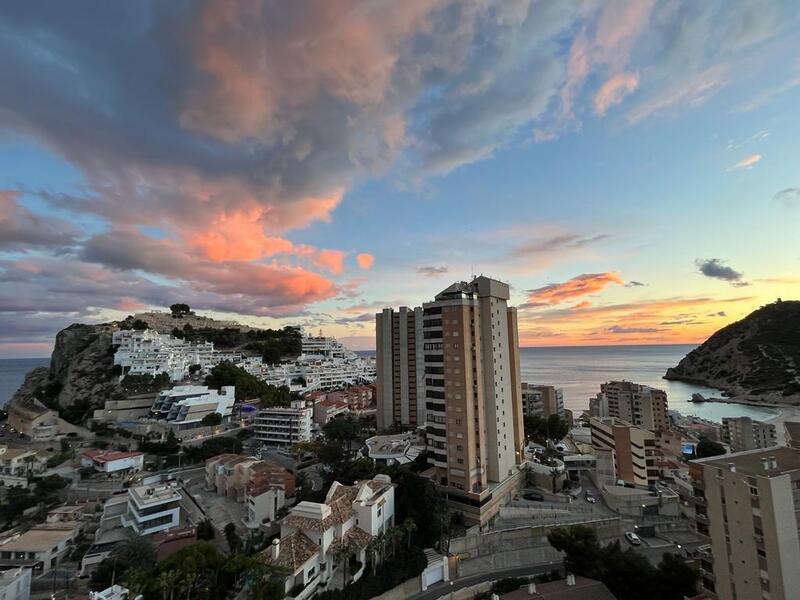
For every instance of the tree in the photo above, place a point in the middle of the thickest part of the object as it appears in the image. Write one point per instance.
(706, 447)
(212, 419)
(179, 310)
(233, 539)
(675, 579)
(540, 429)
(205, 530)
(135, 550)
(581, 547)
(343, 429)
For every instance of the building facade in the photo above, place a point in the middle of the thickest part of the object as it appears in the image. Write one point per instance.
(743, 433)
(639, 405)
(748, 502)
(15, 584)
(284, 426)
(33, 420)
(630, 450)
(185, 406)
(399, 364)
(151, 509)
(542, 400)
(112, 461)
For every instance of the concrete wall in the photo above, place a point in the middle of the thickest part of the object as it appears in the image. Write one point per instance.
(402, 591)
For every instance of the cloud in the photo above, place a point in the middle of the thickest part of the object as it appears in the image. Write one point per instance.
(716, 269)
(629, 330)
(614, 90)
(746, 163)
(560, 242)
(756, 137)
(432, 271)
(768, 94)
(22, 229)
(789, 197)
(720, 313)
(582, 285)
(365, 261)
(635, 284)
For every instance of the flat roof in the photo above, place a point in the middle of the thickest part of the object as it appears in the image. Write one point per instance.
(152, 493)
(37, 540)
(104, 457)
(749, 462)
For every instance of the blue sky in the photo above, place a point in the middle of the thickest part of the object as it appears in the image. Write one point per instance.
(630, 168)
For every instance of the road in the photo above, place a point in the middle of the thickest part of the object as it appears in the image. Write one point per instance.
(440, 589)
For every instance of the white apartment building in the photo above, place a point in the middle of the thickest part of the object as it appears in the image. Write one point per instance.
(21, 462)
(184, 406)
(40, 548)
(15, 584)
(150, 509)
(350, 515)
(284, 426)
(153, 353)
(106, 461)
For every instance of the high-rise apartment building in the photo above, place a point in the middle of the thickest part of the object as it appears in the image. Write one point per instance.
(471, 392)
(632, 449)
(748, 503)
(542, 400)
(636, 404)
(743, 433)
(399, 384)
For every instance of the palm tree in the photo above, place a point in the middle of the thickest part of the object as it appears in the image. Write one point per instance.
(136, 581)
(554, 477)
(136, 551)
(409, 527)
(166, 583)
(342, 554)
(372, 551)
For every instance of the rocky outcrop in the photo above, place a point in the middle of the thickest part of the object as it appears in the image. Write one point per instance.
(81, 374)
(757, 358)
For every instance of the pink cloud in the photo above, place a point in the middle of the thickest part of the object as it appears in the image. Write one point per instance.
(364, 261)
(614, 90)
(330, 260)
(582, 285)
(746, 163)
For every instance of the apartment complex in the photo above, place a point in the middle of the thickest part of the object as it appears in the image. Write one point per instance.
(15, 584)
(185, 406)
(748, 503)
(400, 372)
(629, 449)
(284, 426)
(543, 400)
(636, 404)
(261, 486)
(41, 548)
(33, 420)
(743, 433)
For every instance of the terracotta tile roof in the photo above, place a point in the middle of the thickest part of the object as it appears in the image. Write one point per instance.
(309, 524)
(296, 550)
(355, 538)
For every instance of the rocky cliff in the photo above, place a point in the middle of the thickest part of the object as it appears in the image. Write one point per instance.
(757, 358)
(80, 376)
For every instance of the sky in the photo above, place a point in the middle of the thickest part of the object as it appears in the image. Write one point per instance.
(631, 169)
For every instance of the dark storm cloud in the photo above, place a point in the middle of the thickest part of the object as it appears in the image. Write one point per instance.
(715, 268)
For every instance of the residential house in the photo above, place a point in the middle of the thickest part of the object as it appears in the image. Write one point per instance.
(15, 584)
(105, 461)
(313, 533)
(40, 548)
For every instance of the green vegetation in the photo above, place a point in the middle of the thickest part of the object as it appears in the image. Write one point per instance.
(407, 563)
(272, 344)
(18, 499)
(706, 447)
(628, 574)
(205, 530)
(144, 384)
(198, 571)
(131, 323)
(249, 387)
(540, 429)
(180, 310)
(212, 419)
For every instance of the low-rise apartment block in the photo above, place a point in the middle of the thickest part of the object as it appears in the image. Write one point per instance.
(748, 503)
(33, 420)
(542, 400)
(284, 426)
(743, 433)
(21, 462)
(41, 548)
(327, 408)
(351, 516)
(185, 406)
(260, 485)
(631, 450)
(112, 461)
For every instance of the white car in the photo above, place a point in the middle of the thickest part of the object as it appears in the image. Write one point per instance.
(634, 539)
(591, 499)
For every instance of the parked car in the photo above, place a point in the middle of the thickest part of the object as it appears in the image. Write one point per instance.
(634, 539)
(534, 496)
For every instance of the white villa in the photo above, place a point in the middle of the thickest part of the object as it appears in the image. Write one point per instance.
(313, 532)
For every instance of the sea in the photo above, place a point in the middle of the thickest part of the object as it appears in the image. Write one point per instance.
(578, 370)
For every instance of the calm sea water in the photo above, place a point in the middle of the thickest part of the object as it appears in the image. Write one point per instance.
(580, 370)
(12, 374)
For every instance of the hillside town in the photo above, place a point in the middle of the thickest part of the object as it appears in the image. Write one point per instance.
(334, 475)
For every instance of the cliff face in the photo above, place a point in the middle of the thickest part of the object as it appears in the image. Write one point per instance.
(757, 357)
(80, 376)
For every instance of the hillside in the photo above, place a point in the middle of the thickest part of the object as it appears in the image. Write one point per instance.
(81, 376)
(757, 358)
